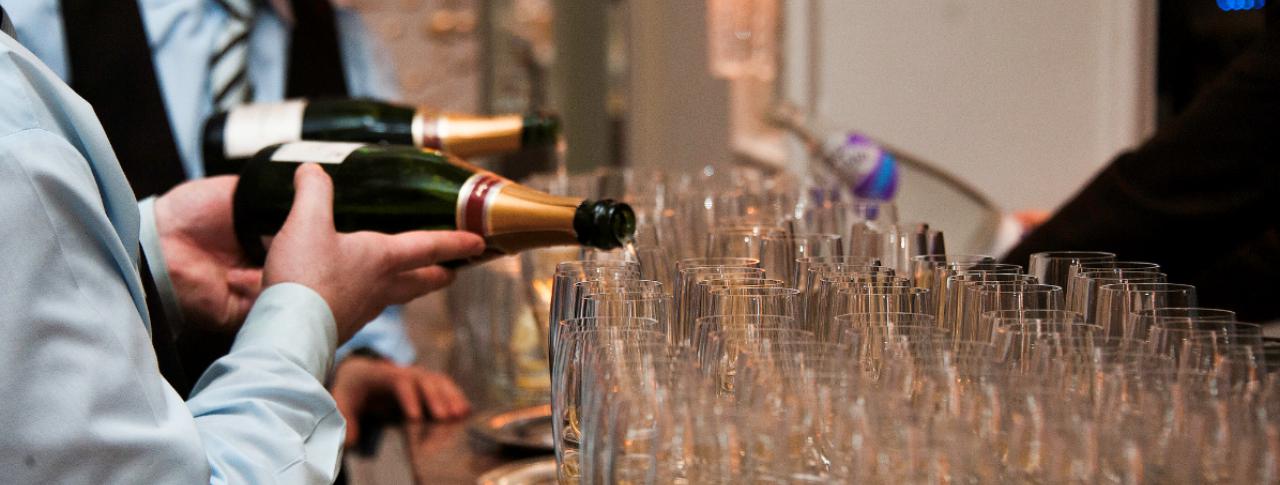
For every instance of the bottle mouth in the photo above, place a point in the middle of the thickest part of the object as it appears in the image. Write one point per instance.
(604, 224)
(540, 129)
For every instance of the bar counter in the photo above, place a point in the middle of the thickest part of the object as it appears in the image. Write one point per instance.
(432, 452)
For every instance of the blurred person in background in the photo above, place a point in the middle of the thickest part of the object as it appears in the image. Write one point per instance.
(154, 70)
(84, 400)
(1201, 197)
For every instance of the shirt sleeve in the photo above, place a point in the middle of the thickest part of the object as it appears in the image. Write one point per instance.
(149, 238)
(84, 400)
(384, 335)
(369, 68)
(265, 398)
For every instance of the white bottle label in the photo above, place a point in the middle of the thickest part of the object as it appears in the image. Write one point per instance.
(253, 127)
(314, 152)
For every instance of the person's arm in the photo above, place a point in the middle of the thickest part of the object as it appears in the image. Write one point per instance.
(270, 384)
(149, 238)
(384, 336)
(84, 401)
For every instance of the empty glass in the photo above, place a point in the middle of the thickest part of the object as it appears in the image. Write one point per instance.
(1082, 294)
(1054, 267)
(1118, 302)
(779, 253)
(564, 300)
(754, 301)
(895, 244)
(923, 267)
(985, 297)
(741, 241)
(577, 339)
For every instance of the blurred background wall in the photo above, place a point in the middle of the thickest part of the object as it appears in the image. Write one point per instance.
(435, 45)
(1025, 100)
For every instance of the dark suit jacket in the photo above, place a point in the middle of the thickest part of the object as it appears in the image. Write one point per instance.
(1201, 197)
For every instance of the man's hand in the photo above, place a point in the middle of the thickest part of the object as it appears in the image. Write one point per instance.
(214, 283)
(360, 273)
(361, 383)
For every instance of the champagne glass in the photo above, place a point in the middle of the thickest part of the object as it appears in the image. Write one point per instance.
(688, 302)
(923, 266)
(564, 300)
(1017, 295)
(754, 301)
(779, 253)
(577, 339)
(1054, 267)
(1118, 301)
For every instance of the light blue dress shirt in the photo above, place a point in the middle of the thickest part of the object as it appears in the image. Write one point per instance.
(182, 35)
(83, 400)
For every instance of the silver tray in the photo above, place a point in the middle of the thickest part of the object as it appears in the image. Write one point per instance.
(537, 471)
(527, 429)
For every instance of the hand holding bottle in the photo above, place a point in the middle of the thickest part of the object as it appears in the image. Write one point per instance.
(357, 273)
(214, 283)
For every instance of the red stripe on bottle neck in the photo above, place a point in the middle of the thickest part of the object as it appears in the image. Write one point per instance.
(475, 213)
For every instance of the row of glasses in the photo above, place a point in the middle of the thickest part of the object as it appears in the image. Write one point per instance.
(1086, 278)
(576, 340)
(793, 360)
(896, 245)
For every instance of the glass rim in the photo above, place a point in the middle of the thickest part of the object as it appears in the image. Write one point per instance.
(838, 259)
(636, 282)
(640, 296)
(964, 274)
(760, 290)
(735, 316)
(949, 258)
(1075, 255)
(583, 263)
(577, 320)
(802, 235)
(716, 261)
(745, 282)
(1014, 328)
(883, 290)
(722, 269)
(1126, 287)
(972, 267)
(1142, 277)
(1174, 312)
(1023, 286)
(1056, 311)
(1231, 326)
(1087, 265)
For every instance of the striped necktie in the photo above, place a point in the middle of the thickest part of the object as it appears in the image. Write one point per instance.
(228, 67)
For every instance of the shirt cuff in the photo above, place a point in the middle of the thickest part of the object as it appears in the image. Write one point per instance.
(149, 237)
(384, 335)
(295, 321)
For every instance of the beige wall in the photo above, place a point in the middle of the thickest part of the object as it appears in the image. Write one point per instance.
(1026, 100)
(434, 45)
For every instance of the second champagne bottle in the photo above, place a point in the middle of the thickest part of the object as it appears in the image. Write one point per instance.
(392, 189)
(232, 137)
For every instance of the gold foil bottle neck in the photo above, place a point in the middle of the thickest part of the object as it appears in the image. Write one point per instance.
(466, 136)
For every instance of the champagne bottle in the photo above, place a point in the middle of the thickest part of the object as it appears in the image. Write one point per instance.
(867, 167)
(870, 167)
(235, 135)
(395, 188)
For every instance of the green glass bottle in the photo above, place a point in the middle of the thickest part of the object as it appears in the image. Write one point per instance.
(232, 137)
(390, 188)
